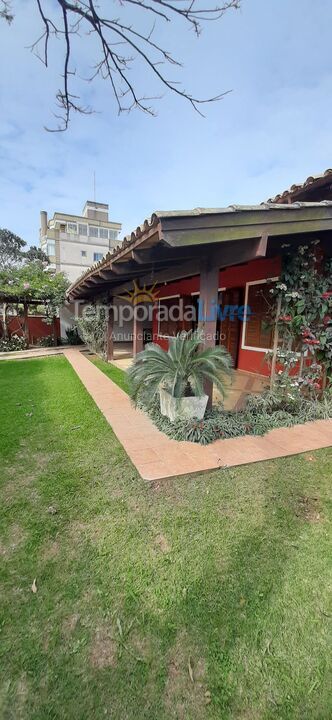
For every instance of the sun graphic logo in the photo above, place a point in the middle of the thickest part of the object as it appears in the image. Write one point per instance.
(138, 295)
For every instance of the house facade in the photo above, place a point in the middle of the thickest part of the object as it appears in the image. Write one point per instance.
(199, 262)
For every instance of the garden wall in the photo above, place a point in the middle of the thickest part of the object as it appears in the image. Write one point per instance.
(38, 328)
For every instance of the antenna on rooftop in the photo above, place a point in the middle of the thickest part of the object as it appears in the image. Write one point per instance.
(94, 186)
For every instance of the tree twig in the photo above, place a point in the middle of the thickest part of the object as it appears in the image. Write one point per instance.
(72, 18)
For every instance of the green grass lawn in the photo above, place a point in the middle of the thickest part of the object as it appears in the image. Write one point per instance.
(203, 597)
(118, 376)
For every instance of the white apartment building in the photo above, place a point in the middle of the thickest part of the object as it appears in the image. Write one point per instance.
(74, 242)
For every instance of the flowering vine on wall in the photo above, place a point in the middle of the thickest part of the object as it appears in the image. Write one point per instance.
(303, 299)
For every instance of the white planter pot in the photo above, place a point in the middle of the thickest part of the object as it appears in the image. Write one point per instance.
(185, 407)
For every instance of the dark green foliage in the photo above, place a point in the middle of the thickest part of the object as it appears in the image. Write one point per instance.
(11, 249)
(47, 341)
(73, 337)
(182, 369)
(36, 254)
(261, 414)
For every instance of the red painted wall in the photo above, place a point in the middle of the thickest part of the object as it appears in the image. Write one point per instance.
(37, 328)
(236, 276)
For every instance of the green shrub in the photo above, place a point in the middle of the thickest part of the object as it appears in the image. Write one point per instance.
(92, 329)
(15, 342)
(47, 341)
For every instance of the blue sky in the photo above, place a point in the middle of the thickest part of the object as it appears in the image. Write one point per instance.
(273, 129)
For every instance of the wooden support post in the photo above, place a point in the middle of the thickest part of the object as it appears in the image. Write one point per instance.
(55, 334)
(26, 322)
(275, 345)
(4, 320)
(109, 334)
(137, 332)
(207, 321)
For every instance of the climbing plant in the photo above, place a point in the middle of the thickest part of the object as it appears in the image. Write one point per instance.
(303, 316)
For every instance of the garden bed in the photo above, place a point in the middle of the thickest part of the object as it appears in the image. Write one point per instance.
(261, 414)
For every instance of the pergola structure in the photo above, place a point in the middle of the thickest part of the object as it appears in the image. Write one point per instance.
(26, 301)
(201, 242)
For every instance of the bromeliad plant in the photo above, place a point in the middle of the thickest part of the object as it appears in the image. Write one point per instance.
(181, 371)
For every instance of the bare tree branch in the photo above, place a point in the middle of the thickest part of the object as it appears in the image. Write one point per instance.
(120, 45)
(5, 11)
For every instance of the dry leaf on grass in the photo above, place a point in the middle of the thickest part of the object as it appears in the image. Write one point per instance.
(190, 670)
(34, 586)
(118, 622)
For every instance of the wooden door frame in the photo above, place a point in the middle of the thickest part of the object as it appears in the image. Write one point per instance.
(241, 289)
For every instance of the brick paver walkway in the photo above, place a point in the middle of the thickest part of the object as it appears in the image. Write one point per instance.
(156, 456)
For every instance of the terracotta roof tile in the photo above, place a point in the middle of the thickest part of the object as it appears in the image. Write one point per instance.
(158, 215)
(311, 180)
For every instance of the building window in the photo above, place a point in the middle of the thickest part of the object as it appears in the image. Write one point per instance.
(83, 253)
(93, 231)
(103, 233)
(258, 330)
(50, 248)
(113, 234)
(72, 227)
(174, 315)
(97, 257)
(82, 229)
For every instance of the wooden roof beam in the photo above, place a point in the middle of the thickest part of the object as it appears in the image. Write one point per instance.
(222, 256)
(174, 264)
(165, 254)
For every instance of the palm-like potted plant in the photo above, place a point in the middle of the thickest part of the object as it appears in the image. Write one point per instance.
(179, 375)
